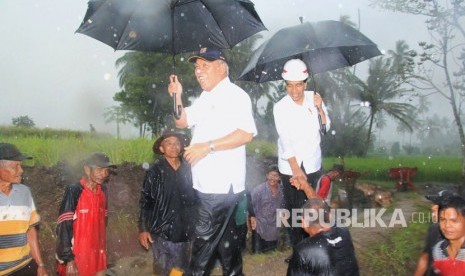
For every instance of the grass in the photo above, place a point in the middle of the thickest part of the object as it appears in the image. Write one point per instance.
(48, 147)
(398, 254)
(430, 168)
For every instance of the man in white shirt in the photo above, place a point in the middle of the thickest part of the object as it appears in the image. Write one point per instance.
(222, 123)
(297, 119)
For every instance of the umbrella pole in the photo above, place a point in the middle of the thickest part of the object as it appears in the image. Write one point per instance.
(322, 126)
(177, 109)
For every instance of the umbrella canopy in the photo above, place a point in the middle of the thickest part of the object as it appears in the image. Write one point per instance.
(323, 46)
(170, 26)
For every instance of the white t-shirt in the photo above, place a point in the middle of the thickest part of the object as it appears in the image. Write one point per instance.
(299, 133)
(213, 115)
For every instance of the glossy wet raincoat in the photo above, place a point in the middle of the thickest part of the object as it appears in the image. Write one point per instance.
(167, 200)
(327, 253)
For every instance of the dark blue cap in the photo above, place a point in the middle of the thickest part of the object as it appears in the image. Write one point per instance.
(208, 54)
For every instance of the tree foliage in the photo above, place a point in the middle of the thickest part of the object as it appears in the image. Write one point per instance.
(144, 80)
(442, 62)
(23, 121)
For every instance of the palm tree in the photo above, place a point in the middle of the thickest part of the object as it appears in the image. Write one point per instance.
(382, 87)
(118, 115)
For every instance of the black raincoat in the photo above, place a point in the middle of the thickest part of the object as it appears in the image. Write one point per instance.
(166, 201)
(327, 253)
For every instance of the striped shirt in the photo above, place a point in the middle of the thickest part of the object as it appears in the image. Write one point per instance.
(17, 214)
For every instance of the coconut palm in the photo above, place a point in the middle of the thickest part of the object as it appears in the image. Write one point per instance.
(381, 90)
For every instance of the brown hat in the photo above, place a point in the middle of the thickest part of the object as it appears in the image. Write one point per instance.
(169, 133)
(11, 152)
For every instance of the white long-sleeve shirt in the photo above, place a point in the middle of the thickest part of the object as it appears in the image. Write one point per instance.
(299, 133)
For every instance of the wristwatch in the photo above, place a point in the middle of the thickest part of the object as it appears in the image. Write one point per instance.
(212, 147)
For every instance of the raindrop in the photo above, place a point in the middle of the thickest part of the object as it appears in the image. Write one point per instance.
(181, 59)
(132, 34)
(182, 14)
(154, 85)
(257, 150)
(333, 132)
(145, 166)
(149, 101)
(226, 245)
(107, 76)
(89, 21)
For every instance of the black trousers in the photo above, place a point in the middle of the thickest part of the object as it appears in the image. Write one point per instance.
(260, 245)
(29, 270)
(216, 235)
(294, 199)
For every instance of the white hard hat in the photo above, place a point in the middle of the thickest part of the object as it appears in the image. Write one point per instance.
(295, 70)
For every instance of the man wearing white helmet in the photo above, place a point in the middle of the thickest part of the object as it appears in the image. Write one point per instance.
(296, 118)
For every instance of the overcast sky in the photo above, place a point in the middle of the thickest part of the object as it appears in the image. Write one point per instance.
(65, 80)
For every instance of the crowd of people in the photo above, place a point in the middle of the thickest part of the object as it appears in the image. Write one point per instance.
(194, 206)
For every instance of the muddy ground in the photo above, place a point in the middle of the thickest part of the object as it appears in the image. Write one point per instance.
(125, 255)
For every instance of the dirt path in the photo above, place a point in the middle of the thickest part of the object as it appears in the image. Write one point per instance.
(272, 264)
(364, 237)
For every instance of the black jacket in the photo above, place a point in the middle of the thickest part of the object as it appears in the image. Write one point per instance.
(329, 253)
(167, 200)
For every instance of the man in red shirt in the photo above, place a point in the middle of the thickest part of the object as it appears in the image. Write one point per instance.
(324, 185)
(82, 221)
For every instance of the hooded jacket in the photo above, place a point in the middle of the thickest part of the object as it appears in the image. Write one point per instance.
(327, 253)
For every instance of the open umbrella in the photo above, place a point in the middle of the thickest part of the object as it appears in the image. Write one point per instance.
(170, 26)
(323, 46)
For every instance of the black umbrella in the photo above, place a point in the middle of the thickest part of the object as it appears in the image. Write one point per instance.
(170, 26)
(323, 46)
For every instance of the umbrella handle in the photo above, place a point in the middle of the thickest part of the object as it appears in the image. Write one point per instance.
(177, 109)
(322, 126)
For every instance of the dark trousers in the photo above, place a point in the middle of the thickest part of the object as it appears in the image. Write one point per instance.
(260, 245)
(294, 199)
(216, 235)
(29, 270)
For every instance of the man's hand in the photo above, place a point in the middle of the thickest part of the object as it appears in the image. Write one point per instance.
(174, 86)
(71, 269)
(302, 184)
(253, 223)
(318, 101)
(145, 238)
(41, 271)
(194, 153)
